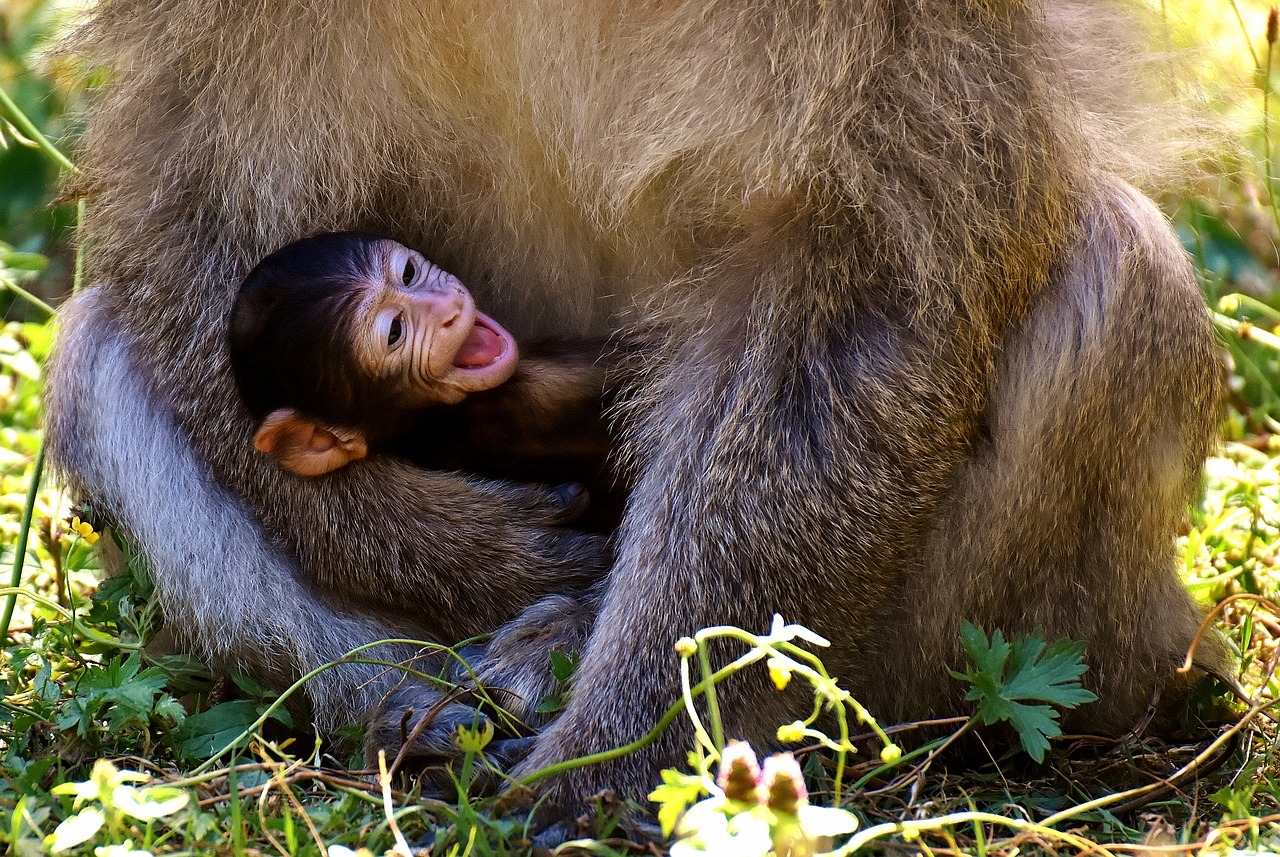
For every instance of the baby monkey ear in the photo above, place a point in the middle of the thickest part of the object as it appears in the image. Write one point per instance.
(306, 447)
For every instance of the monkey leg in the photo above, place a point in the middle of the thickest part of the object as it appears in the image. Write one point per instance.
(787, 469)
(515, 666)
(1063, 520)
(1058, 515)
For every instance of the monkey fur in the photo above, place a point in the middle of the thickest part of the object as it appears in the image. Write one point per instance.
(919, 353)
(299, 345)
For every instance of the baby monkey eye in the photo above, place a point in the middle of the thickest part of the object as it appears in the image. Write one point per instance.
(409, 271)
(396, 332)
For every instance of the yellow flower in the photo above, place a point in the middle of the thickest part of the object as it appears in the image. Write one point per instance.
(686, 647)
(890, 754)
(780, 672)
(791, 733)
(84, 530)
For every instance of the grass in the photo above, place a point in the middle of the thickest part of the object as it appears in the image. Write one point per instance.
(108, 751)
(76, 691)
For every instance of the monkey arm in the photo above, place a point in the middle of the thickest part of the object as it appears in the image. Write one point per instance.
(454, 539)
(552, 408)
(230, 592)
(227, 593)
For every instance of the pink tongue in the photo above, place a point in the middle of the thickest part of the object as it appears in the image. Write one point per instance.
(482, 347)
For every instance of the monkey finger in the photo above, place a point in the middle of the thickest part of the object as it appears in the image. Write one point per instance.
(421, 723)
(573, 499)
(579, 560)
(505, 753)
(469, 661)
(547, 505)
(516, 666)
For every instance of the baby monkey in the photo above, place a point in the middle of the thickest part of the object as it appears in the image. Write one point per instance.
(344, 343)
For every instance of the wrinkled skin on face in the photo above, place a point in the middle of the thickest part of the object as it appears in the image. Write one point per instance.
(419, 325)
(338, 336)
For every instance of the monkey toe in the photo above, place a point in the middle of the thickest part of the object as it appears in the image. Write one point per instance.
(516, 664)
(549, 838)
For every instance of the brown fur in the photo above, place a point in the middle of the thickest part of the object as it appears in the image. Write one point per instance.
(919, 356)
(547, 424)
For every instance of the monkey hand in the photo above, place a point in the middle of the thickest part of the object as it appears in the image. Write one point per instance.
(559, 504)
(427, 726)
(515, 667)
(571, 560)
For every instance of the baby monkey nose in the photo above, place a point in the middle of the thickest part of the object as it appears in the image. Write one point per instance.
(450, 306)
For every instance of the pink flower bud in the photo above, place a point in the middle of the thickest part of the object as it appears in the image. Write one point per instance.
(739, 772)
(782, 785)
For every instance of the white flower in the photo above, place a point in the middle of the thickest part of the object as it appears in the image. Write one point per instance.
(705, 831)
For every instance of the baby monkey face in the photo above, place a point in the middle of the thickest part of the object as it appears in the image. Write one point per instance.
(418, 328)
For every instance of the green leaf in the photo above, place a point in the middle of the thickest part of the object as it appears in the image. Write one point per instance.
(551, 703)
(201, 735)
(251, 687)
(675, 794)
(16, 261)
(563, 666)
(125, 695)
(1007, 673)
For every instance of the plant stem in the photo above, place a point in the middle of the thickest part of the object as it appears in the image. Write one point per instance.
(18, 290)
(20, 549)
(713, 708)
(906, 757)
(78, 279)
(644, 740)
(31, 132)
(84, 630)
(1244, 32)
(302, 680)
(401, 848)
(916, 827)
(700, 733)
(842, 718)
(1247, 331)
(1266, 135)
(1253, 305)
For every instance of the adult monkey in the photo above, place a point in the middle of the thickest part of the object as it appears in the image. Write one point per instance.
(919, 356)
